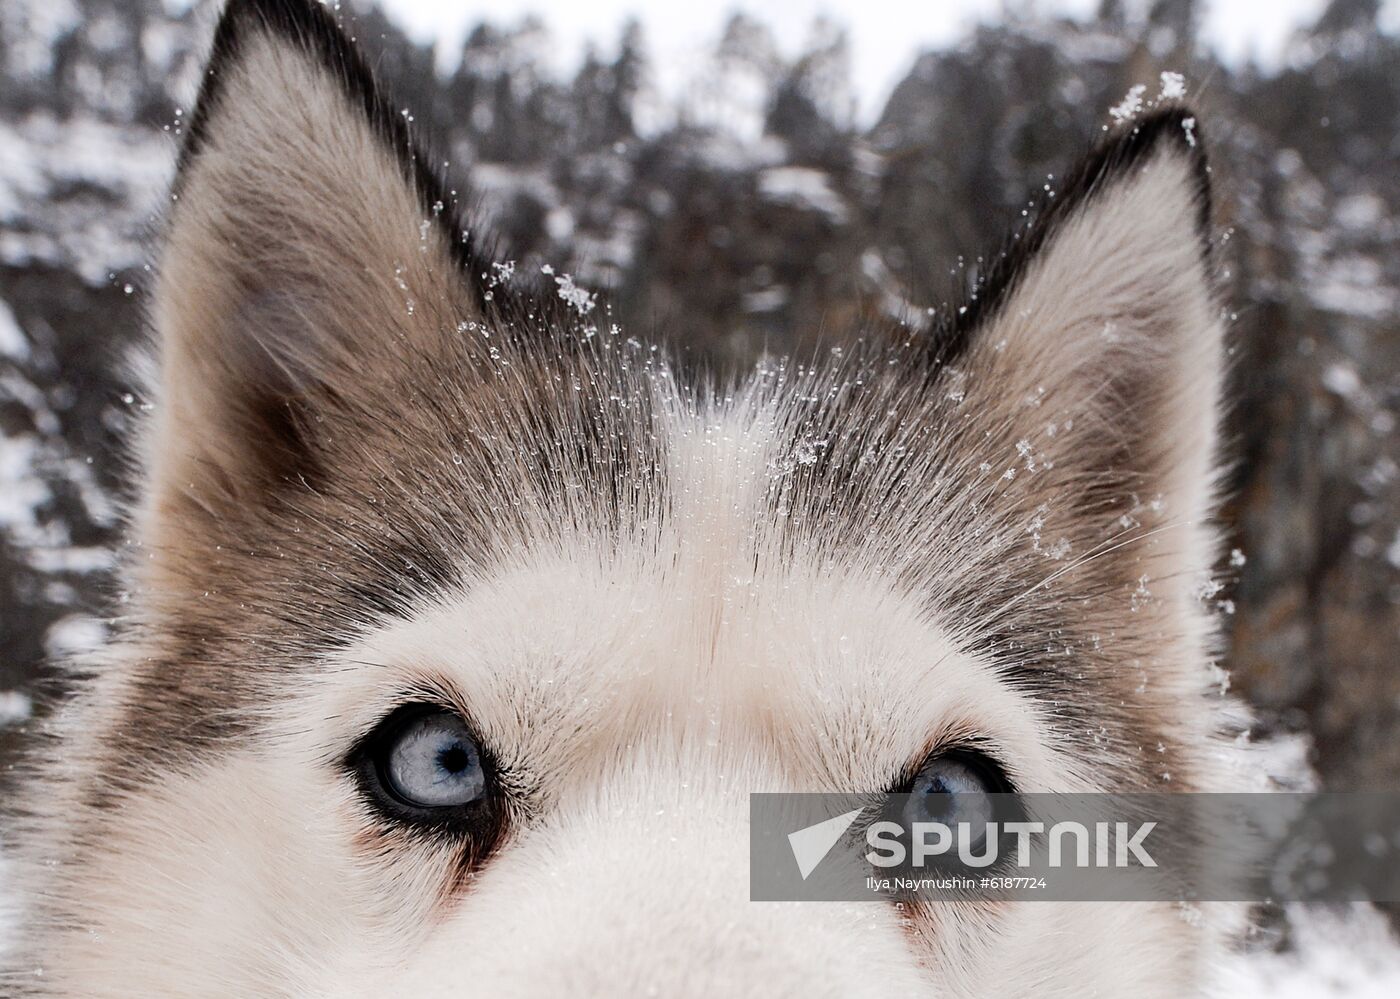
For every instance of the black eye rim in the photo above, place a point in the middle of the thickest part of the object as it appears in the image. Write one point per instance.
(977, 759)
(479, 819)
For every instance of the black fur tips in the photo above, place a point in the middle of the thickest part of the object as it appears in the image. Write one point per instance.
(1127, 147)
(312, 30)
(1132, 144)
(303, 23)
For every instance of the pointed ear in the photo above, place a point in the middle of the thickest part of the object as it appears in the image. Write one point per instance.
(309, 249)
(1095, 340)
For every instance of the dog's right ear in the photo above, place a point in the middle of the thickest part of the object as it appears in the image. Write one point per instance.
(310, 253)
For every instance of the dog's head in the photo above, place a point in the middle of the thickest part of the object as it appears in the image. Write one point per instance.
(460, 627)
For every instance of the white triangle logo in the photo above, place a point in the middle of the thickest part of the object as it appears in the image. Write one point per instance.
(811, 845)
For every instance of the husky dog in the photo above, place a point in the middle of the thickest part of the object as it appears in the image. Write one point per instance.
(457, 633)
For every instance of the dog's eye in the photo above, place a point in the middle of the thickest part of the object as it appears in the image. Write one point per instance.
(954, 787)
(432, 761)
(422, 764)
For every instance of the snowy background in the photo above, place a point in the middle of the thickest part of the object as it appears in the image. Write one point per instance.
(736, 182)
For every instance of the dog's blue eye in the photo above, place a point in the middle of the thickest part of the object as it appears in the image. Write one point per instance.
(955, 787)
(432, 761)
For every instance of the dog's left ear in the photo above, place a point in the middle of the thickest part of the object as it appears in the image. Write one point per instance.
(1094, 344)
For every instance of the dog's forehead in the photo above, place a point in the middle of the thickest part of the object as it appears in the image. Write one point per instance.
(706, 623)
(835, 677)
(595, 544)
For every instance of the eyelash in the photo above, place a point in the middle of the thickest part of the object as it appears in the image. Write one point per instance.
(973, 751)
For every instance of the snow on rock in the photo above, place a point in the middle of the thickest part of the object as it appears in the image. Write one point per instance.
(1355, 285)
(803, 187)
(73, 635)
(79, 192)
(38, 26)
(496, 183)
(15, 707)
(13, 343)
(726, 153)
(38, 467)
(1332, 951)
(23, 491)
(766, 299)
(27, 463)
(1342, 379)
(1348, 951)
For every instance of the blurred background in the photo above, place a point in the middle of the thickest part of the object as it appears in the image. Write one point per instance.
(738, 182)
